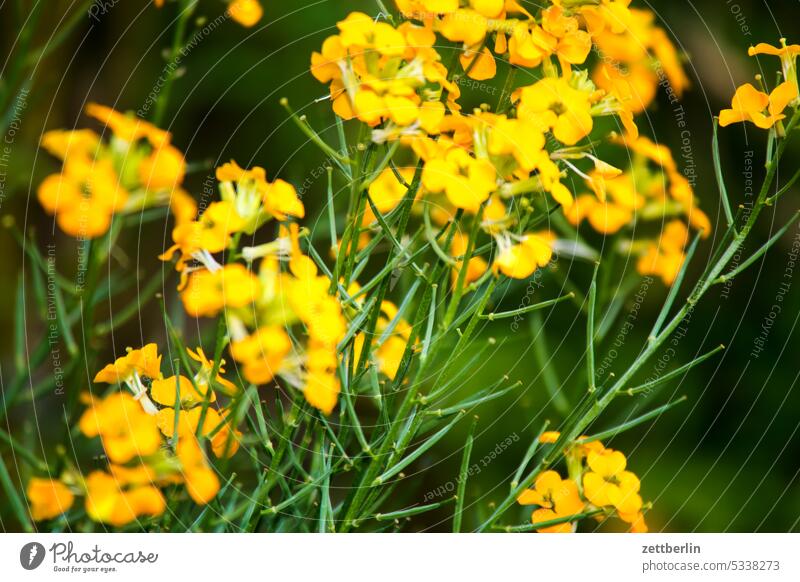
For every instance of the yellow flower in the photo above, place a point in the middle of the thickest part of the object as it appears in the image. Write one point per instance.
(556, 105)
(48, 498)
(211, 232)
(573, 45)
(788, 55)
(377, 73)
(386, 192)
(164, 168)
(636, 521)
(84, 197)
(63, 144)
(182, 206)
(666, 258)
(281, 201)
(521, 138)
(607, 214)
(201, 481)
(128, 128)
(530, 44)
(466, 181)
(144, 362)
(479, 65)
(246, 12)
(107, 502)
(262, 353)
(635, 86)
(556, 498)
(607, 483)
(167, 390)
(321, 389)
(125, 429)
(207, 292)
(254, 199)
(520, 260)
(126, 175)
(750, 104)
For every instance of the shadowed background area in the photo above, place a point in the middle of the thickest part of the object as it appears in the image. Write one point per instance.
(727, 459)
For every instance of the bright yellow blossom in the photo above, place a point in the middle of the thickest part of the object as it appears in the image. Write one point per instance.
(519, 260)
(262, 353)
(555, 105)
(208, 292)
(556, 498)
(108, 502)
(201, 481)
(762, 110)
(126, 431)
(666, 258)
(607, 483)
(466, 181)
(788, 55)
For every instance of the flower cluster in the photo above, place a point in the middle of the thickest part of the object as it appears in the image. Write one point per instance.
(651, 190)
(152, 432)
(634, 54)
(378, 73)
(494, 167)
(275, 288)
(136, 168)
(598, 484)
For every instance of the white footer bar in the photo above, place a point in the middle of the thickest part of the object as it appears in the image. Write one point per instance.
(399, 557)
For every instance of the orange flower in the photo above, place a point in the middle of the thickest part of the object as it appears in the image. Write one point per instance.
(107, 502)
(750, 104)
(246, 12)
(201, 481)
(125, 429)
(556, 498)
(84, 197)
(48, 498)
(207, 292)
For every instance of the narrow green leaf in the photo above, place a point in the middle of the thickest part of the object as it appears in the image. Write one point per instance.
(759, 253)
(431, 236)
(416, 454)
(463, 474)
(17, 504)
(331, 211)
(548, 523)
(647, 386)
(526, 309)
(411, 511)
(612, 432)
(590, 331)
(723, 191)
(355, 325)
(480, 398)
(785, 188)
(426, 343)
(18, 449)
(341, 160)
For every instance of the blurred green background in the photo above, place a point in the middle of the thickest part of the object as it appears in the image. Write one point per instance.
(726, 460)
